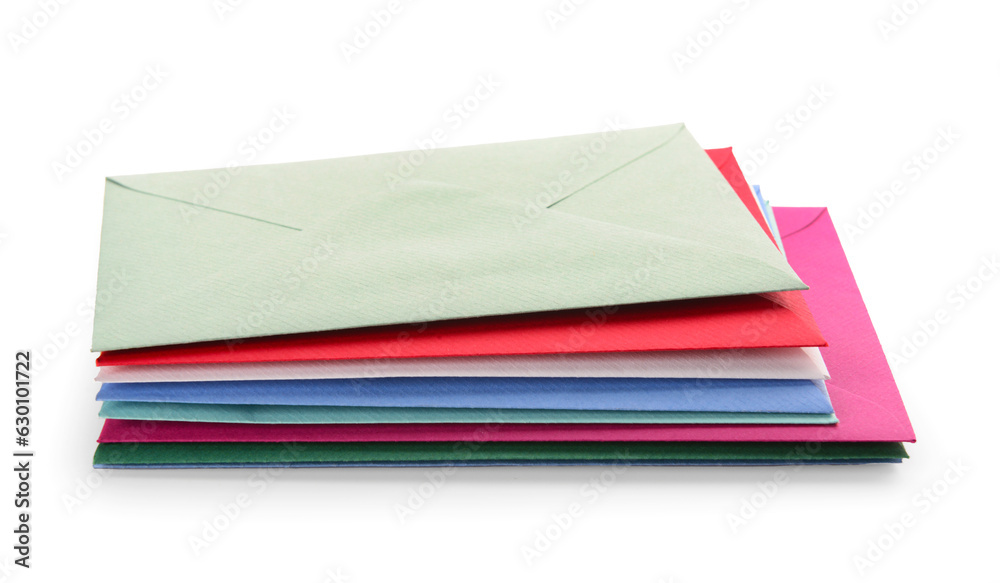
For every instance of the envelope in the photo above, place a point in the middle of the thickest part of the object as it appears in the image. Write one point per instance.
(177, 455)
(257, 459)
(768, 213)
(862, 390)
(620, 394)
(769, 320)
(725, 161)
(751, 363)
(353, 416)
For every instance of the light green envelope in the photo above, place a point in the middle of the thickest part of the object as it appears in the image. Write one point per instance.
(328, 414)
(602, 219)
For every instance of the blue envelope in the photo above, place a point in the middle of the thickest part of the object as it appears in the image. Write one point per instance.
(594, 394)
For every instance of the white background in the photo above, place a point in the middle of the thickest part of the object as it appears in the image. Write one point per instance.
(890, 94)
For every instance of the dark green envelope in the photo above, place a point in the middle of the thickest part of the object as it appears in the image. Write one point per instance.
(490, 453)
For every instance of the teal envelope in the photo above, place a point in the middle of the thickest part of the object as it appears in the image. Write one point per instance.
(215, 413)
(624, 216)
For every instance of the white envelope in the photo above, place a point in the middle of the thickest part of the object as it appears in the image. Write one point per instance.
(756, 363)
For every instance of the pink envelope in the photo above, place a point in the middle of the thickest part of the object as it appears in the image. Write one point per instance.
(862, 389)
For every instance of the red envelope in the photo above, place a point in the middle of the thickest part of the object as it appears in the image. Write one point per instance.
(725, 161)
(862, 389)
(753, 321)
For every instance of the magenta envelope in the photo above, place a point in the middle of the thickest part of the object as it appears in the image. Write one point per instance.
(862, 390)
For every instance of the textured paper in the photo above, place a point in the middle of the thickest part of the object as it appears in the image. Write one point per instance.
(754, 321)
(727, 165)
(463, 237)
(503, 463)
(771, 320)
(627, 394)
(355, 415)
(768, 213)
(756, 363)
(178, 454)
(862, 390)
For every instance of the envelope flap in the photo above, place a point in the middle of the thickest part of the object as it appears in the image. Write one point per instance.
(657, 180)
(336, 244)
(676, 189)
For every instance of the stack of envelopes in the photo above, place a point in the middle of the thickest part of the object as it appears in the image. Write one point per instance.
(608, 298)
